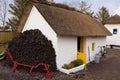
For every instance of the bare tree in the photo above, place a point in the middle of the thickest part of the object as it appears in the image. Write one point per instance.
(50, 0)
(3, 12)
(83, 7)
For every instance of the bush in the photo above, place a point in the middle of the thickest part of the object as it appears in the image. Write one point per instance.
(66, 66)
(73, 64)
(77, 62)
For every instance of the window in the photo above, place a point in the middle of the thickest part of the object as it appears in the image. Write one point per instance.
(115, 31)
(93, 46)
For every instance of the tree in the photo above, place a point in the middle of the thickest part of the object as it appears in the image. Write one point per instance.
(3, 13)
(43, 1)
(50, 1)
(102, 15)
(16, 10)
(85, 8)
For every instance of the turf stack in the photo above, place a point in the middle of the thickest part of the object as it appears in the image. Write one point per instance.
(32, 47)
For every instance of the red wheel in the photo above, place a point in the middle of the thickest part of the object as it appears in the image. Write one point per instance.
(49, 75)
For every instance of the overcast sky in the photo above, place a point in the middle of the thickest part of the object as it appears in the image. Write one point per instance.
(111, 5)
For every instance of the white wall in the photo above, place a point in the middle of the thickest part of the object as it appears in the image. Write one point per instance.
(67, 50)
(36, 21)
(115, 38)
(65, 47)
(99, 41)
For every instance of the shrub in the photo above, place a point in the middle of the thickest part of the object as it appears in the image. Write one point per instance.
(73, 64)
(77, 62)
(66, 66)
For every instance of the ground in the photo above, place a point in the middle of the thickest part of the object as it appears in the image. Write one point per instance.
(107, 69)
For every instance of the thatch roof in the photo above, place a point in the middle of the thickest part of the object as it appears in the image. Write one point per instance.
(24, 17)
(113, 20)
(68, 23)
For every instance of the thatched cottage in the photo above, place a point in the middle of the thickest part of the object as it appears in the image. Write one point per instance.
(70, 31)
(113, 25)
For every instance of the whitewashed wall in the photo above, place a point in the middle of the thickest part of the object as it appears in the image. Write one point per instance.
(65, 47)
(115, 38)
(67, 50)
(99, 41)
(36, 21)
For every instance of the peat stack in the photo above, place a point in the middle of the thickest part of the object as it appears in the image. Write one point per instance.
(32, 47)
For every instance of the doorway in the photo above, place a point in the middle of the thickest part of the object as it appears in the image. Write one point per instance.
(80, 44)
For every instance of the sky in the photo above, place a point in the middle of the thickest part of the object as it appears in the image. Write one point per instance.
(112, 5)
(1, 5)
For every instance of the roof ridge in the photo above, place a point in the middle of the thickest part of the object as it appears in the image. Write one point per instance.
(59, 5)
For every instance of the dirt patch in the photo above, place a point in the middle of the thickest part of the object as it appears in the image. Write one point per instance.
(107, 69)
(7, 74)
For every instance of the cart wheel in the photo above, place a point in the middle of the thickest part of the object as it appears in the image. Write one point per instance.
(49, 75)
